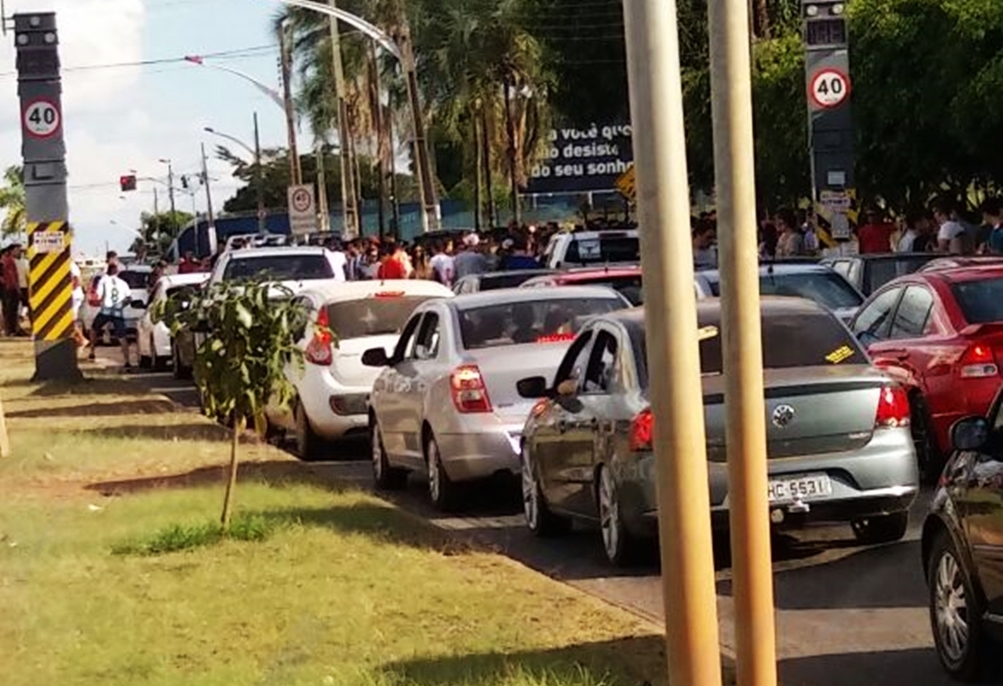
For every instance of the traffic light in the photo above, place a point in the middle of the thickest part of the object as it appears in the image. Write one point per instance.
(184, 182)
(127, 182)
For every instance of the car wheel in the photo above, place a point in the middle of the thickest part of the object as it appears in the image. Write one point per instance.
(309, 446)
(178, 370)
(881, 529)
(955, 612)
(620, 546)
(441, 491)
(387, 478)
(928, 456)
(539, 519)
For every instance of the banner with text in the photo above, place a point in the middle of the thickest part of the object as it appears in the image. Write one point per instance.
(582, 160)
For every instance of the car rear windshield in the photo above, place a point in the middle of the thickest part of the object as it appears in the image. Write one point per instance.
(981, 301)
(136, 280)
(529, 321)
(628, 286)
(885, 270)
(604, 249)
(279, 268)
(491, 282)
(825, 288)
(374, 316)
(789, 340)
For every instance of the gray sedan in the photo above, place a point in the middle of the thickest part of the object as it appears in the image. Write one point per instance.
(839, 444)
(446, 402)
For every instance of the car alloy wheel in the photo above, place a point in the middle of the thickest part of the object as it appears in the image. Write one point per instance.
(951, 608)
(434, 473)
(377, 453)
(609, 515)
(530, 494)
(385, 477)
(442, 492)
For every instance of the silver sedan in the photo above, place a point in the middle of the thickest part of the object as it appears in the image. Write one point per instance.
(446, 402)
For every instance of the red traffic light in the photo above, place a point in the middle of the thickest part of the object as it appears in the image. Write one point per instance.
(127, 183)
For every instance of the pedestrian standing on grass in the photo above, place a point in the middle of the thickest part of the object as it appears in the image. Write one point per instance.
(114, 295)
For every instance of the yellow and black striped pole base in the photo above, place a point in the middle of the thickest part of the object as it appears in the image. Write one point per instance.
(51, 300)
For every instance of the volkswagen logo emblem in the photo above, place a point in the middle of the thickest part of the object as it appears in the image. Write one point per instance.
(782, 416)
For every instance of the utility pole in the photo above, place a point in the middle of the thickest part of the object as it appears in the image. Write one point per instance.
(513, 153)
(431, 213)
(170, 187)
(43, 146)
(656, 104)
(741, 342)
(259, 177)
(349, 208)
(295, 170)
(211, 230)
(376, 107)
(322, 202)
(156, 216)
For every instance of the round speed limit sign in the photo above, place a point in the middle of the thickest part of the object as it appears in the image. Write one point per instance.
(41, 119)
(301, 200)
(829, 88)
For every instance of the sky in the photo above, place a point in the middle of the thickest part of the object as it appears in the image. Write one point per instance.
(122, 118)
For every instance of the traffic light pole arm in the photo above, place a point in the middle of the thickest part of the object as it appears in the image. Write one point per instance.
(374, 32)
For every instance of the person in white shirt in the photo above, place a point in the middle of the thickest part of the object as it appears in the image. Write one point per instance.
(950, 236)
(442, 265)
(114, 295)
(78, 302)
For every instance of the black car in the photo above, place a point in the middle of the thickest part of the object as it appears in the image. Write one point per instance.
(868, 273)
(963, 548)
(492, 281)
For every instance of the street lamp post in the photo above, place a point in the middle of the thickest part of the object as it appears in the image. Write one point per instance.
(170, 185)
(259, 175)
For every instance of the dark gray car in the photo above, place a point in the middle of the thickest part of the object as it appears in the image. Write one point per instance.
(838, 430)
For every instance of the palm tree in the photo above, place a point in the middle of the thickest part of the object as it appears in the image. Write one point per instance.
(12, 199)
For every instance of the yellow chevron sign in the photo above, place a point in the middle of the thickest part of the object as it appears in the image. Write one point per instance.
(625, 183)
(50, 280)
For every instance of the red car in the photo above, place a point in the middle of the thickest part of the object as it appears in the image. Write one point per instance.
(940, 333)
(626, 280)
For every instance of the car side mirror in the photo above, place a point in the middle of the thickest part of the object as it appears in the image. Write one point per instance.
(376, 357)
(969, 434)
(532, 388)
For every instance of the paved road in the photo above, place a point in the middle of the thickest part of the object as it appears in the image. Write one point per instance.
(846, 615)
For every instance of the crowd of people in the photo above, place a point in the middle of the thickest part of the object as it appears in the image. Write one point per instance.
(15, 308)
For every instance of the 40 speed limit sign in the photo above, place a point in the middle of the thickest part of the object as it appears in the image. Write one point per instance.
(829, 88)
(41, 118)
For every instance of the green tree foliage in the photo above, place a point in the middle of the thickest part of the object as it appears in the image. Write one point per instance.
(250, 332)
(12, 201)
(159, 230)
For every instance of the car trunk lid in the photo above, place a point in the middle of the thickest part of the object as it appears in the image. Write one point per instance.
(809, 410)
(346, 364)
(503, 367)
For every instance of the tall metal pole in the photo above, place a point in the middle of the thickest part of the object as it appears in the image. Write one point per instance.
(156, 217)
(349, 207)
(259, 177)
(211, 230)
(295, 170)
(513, 153)
(170, 192)
(671, 321)
(745, 434)
(376, 106)
(395, 206)
(39, 86)
(323, 208)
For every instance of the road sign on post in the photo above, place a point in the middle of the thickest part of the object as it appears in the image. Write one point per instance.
(44, 152)
(302, 210)
(830, 135)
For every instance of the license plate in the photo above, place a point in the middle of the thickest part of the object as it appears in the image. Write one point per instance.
(808, 487)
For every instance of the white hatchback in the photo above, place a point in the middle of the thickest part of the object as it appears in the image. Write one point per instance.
(154, 337)
(333, 386)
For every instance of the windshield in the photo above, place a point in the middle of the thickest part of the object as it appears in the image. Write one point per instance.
(821, 341)
(604, 249)
(825, 288)
(981, 301)
(490, 282)
(136, 280)
(529, 321)
(293, 267)
(374, 316)
(883, 271)
(628, 286)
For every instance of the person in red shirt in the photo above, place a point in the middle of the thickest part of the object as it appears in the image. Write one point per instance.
(188, 264)
(10, 292)
(876, 235)
(392, 266)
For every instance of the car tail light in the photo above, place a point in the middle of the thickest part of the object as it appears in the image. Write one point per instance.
(556, 338)
(893, 408)
(978, 362)
(641, 431)
(388, 294)
(318, 351)
(470, 395)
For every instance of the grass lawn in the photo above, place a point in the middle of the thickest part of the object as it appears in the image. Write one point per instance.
(344, 589)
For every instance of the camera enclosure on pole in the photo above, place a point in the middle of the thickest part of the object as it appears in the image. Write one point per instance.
(44, 152)
(830, 117)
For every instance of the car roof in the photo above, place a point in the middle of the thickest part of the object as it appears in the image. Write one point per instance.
(710, 308)
(276, 251)
(964, 273)
(515, 295)
(589, 272)
(337, 291)
(779, 269)
(611, 233)
(878, 257)
(171, 280)
(511, 272)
